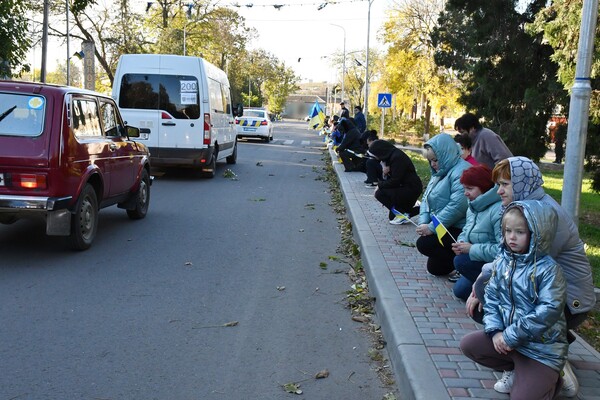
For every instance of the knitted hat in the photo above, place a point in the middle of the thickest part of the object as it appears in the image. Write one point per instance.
(479, 176)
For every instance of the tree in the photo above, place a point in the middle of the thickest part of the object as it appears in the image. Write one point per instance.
(508, 74)
(278, 87)
(560, 24)
(410, 71)
(14, 37)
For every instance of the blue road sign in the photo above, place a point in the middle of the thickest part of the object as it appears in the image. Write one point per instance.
(384, 100)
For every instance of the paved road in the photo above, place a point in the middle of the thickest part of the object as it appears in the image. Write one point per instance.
(143, 313)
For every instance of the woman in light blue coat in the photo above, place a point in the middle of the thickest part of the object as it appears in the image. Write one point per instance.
(444, 198)
(480, 238)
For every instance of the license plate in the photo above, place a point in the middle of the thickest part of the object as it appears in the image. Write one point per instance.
(249, 129)
(2, 180)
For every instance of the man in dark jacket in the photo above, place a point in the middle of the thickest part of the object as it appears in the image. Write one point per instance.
(402, 187)
(350, 150)
(359, 119)
(344, 113)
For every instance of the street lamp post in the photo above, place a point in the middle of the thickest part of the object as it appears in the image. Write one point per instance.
(344, 61)
(366, 111)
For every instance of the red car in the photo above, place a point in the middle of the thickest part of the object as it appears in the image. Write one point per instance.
(64, 154)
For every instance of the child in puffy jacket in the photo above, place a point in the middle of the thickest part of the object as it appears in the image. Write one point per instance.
(525, 330)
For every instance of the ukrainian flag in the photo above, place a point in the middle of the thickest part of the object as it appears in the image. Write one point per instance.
(440, 229)
(317, 117)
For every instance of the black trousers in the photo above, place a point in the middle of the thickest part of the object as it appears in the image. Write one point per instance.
(440, 258)
(402, 199)
(352, 162)
(374, 170)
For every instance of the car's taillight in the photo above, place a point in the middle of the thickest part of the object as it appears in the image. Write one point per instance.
(207, 126)
(29, 181)
(164, 115)
(263, 122)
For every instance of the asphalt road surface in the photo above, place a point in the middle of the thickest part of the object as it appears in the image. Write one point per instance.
(217, 294)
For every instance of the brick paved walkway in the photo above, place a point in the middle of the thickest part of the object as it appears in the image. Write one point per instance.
(421, 320)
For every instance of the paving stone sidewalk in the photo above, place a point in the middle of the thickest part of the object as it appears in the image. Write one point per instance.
(421, 320)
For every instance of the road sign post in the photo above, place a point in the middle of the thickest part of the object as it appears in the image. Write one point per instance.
(384, 100)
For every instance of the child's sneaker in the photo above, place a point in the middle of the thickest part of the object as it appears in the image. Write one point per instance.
(570, 384)
(504, 384)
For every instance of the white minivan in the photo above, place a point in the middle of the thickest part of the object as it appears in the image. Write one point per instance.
(182, 106)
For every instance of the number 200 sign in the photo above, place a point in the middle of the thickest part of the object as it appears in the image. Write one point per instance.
(188, 86)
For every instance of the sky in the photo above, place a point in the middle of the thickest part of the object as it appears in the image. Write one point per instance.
(296, 30)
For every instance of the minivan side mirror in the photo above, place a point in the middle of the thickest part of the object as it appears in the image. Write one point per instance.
(238, 111)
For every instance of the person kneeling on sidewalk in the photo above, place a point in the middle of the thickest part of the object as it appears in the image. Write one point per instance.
(402, 186)
(350, 150)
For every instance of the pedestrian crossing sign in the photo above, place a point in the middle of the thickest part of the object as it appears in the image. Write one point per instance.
(384, 100)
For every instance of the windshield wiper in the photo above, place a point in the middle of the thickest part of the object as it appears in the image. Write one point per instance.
(5, 113)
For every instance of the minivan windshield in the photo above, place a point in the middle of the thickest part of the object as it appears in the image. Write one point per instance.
(21, 114)
(175, 94)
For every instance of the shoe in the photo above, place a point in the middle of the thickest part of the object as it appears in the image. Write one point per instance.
(504, 384)
(371, 185)
(570, 386)
(399, 221)
(454, 276)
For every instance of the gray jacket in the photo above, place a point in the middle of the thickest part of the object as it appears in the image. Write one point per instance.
(567, 248)
(525, 297)
(488, 147)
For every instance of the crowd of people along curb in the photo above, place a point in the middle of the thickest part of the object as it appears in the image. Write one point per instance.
(485, 223)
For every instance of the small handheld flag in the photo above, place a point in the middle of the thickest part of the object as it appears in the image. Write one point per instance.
(398, 214)
(440, 229)
(317, 118)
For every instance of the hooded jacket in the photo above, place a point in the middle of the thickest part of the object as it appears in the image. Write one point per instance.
(567, 248)
(402, 170)
(482, 228)
(444, 195)
(526, 294)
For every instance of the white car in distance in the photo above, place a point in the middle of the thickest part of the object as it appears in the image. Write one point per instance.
(255, 123)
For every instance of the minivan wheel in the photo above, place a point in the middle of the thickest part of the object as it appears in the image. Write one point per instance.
(233, 157)
(142, 198)
(85, 220)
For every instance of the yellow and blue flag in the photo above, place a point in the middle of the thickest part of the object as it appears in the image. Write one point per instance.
(440, 229)
(317, 117)
(401, 215)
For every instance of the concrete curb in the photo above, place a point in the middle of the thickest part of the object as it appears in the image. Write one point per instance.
(416, 374)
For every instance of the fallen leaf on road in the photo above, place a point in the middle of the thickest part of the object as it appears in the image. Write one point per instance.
(280, 288)
(292, 388)
(322, 374)
(323, 265)
(360, 318)
(259, 164)
(188, 263)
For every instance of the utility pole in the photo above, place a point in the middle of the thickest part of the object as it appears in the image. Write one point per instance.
(44, 42)
(579, 110)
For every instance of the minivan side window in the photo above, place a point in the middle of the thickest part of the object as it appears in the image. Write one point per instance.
(86, 121)
(227, 99)
(175, 94)
(216, 96)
